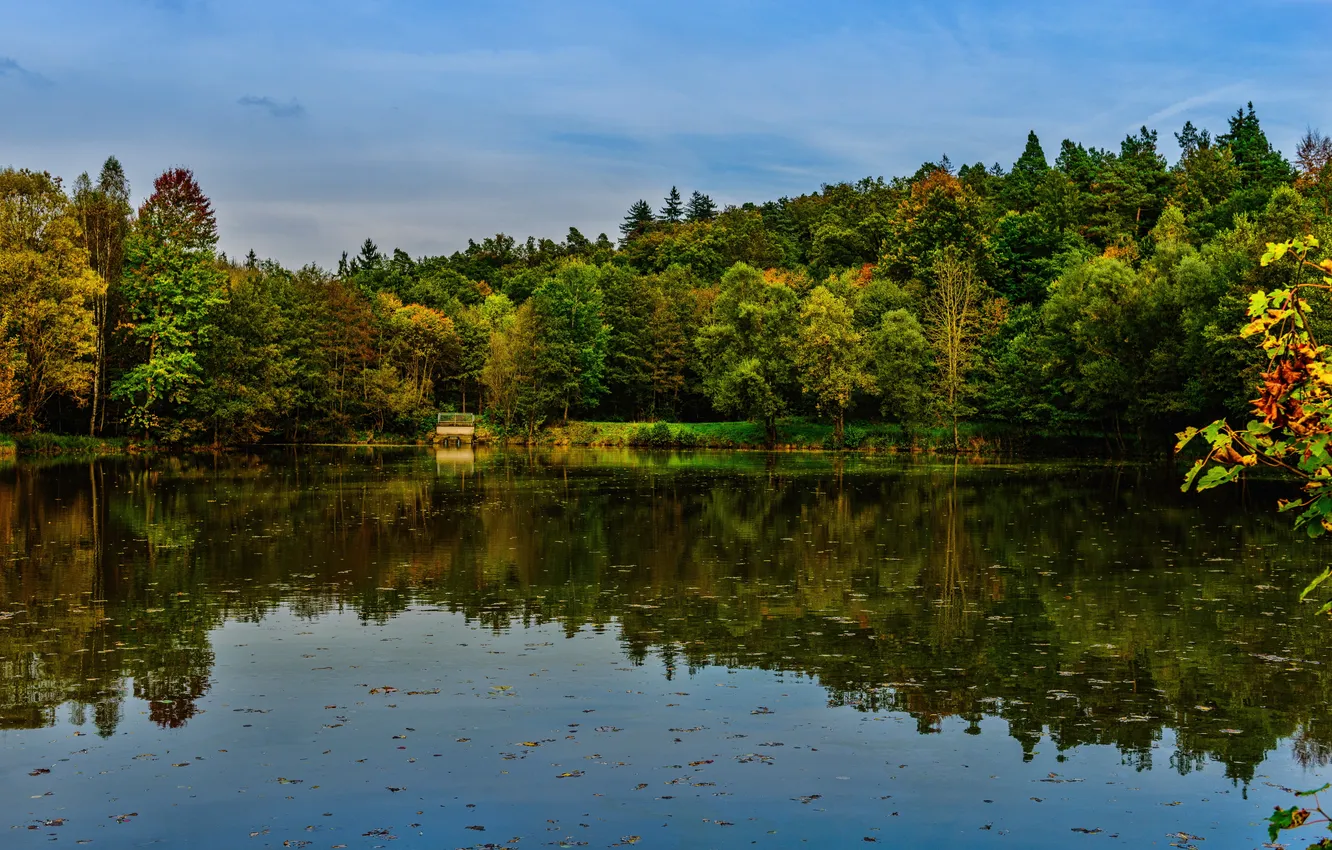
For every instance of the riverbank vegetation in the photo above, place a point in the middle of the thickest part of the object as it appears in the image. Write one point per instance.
(1101, 293)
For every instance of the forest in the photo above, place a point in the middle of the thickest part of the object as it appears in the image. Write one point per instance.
(1101, 293)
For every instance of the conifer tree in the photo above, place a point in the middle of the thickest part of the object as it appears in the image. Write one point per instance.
(700, 208)
(1259, 163)
(672, 212)
(637, 220)
(1028, 173)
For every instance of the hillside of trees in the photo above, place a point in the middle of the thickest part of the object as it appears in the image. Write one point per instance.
(1102, 292)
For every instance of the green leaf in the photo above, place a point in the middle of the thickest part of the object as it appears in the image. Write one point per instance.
(1324, 576)
(1190, 475)
(1218, 475)
(1314, 791)
(1257, 303)
(1281, 819)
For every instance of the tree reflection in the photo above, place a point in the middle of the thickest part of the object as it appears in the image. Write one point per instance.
(1083, 605)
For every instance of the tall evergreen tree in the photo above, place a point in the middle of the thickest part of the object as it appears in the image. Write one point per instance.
(673, 211)
(638, 219)
(1022, 183)
(1259, 163)
(700, 207)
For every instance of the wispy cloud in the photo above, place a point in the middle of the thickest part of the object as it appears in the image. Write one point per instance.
(11, 69)
(1234, 92)
(291, 109)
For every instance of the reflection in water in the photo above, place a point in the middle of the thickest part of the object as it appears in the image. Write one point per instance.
(1084, 604)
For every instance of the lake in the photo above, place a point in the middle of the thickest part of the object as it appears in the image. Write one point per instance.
(408, 648)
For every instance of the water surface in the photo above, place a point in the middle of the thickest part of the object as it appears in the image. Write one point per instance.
(404, 648)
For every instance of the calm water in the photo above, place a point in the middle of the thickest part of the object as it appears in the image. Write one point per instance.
(408, 649)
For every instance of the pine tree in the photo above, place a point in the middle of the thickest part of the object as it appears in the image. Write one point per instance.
(1026, 177)
(674, 210)
(1259, 163)
(1192, 139)
(700, 208)
(638, 220)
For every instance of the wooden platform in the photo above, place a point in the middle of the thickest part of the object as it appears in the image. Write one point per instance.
(459, 427)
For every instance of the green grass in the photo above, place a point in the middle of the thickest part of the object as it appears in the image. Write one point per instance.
(791, 434)
(65, 444)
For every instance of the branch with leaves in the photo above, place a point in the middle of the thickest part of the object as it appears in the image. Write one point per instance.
(1293, 429)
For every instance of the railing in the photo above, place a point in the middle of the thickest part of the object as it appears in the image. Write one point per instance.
(465, 420)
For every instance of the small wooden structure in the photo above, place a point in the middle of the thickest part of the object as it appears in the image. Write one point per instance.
(455, 426)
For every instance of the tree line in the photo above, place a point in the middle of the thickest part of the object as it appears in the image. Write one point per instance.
(1104, 292)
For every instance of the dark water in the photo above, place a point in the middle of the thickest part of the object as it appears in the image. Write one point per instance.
(405, 649)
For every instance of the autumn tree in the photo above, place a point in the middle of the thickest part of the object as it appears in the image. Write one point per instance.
(513, 385)
(105, 216)
(47, 297)
(952, 325)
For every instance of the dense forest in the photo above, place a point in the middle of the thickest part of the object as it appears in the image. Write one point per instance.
(1101, 293)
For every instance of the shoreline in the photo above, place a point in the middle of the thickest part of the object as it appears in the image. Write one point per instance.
(793, 436)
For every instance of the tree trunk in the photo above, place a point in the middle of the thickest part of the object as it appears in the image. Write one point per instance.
(839, 428)
(770, 429)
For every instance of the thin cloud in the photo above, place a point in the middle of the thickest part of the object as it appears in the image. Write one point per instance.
(11, 69)
(1235, 91)
(291, 109)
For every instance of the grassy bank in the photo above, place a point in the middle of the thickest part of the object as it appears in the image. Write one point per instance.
(791, 434)
(60, 444)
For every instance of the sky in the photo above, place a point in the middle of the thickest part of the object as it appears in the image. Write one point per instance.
(314, 125)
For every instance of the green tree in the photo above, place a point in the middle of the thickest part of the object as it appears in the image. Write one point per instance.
(1130, 191)
(831, 356)
(1021, 186)
(901, 358)
(938, 213)
(574, 336)
(700, 207)
(637, 221)
(673, 210)
(171, 286)
(1260, 165)
(745, 347)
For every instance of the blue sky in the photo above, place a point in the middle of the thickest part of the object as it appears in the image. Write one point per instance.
(315, 124)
